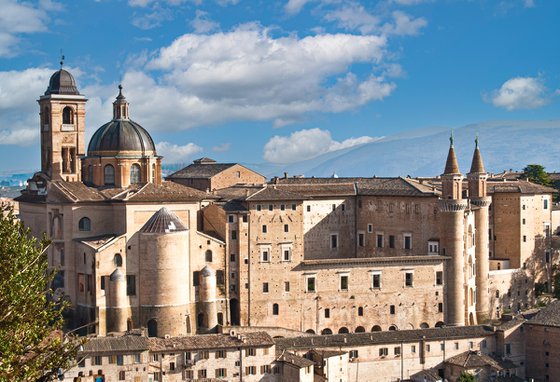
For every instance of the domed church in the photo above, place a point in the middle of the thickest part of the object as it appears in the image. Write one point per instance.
(125, 244)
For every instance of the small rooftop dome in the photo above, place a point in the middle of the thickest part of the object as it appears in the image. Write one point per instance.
(62, 82)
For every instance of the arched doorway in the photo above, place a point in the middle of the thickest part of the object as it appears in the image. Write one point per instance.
(310, 331)
(440, 324)
(152, 328)
(376, 328)
(360, 329)
(343, 330)
(393, 327)
(326, 331)
(234, 311)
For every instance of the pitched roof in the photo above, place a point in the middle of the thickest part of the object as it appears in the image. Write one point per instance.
(547, 316)
(473, 360)
(274, 193)
(168, 192)
(340, 341)
(394, 187)
(476, 165)
(121, 344)
(211, 341)
(200, 170)
(451, 165)
(518, 186)
(163, 221)
(295, 360)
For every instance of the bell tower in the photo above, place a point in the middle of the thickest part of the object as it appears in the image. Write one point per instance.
(62, 124)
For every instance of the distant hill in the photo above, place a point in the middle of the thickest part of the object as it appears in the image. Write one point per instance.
(504, 145)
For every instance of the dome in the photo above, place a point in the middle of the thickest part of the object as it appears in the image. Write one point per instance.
(62, 82)
(121, 137)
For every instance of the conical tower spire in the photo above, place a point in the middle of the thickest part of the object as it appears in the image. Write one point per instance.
(477, 166)
(451, 166)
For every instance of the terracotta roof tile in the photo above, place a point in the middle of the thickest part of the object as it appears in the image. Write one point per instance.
(168, 192)
(210, 342)
(295, 360)
(121, 344)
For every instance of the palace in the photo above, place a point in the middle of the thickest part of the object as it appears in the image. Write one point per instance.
(214, 244)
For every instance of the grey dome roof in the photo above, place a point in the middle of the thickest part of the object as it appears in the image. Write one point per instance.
(62, 82)
(121, 135)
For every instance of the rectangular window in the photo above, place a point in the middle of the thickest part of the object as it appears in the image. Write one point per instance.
(270, 207)
(130, 285)
(286, 228)
(221, 354)
(264, 228)
(456, 345)
(282, 207)
(258, 207)
(250, 370)
(230, 219)
(413, 348)
(251, 352)
(97, 361)
(408, 279)
(195, 278)
(391, 241)
(397, 350)
(524, 238)
(265, 255)
(370, 228)
(392, 309)
(353, 354)
(407, 241)
(122, 375)
(287, 254)
(244, 218)
(202, 373)
(439, 278)
(286, 286)
(440, 307)
(545, 204)
(310, 284)
(112, 359)
(204, 354)
(232, 257)
(344, 282)
(376, 280)
(308, 208)
(120, 360)
(508, 346)
(294, 207)
(379, 240)
(334, 207)
(265, 369)
(383, 352)
(221, 373)
(433, 248)
(265, 287)
(172, 366)
(233, 234)
(360, 239)
(327, 313)
(334, 240)
(102, 282)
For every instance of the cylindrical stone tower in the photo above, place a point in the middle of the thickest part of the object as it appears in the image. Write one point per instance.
(164, 274)
(118, 306)
(478, 197)
(452, 207)
(208, 297)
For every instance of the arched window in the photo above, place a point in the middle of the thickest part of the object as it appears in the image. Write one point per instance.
(135, 174)
(393, 327)
(343, 330)
(67, 116)
(118, 260)
(220, 318)
(360, 329)
(275, 309)
(109, 175)
(326, 331)
(84, 224)
(208, 256)
(90, 173)
(153, 172)
(376, 328)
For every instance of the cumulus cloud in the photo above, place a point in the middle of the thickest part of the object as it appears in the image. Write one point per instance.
(306, 144)
(202, 23)
(246, 74)
(19, 18)
(405, 25)
(519, 93)
(19, 137)
(293, 7)
(221, 148)
(176, 154)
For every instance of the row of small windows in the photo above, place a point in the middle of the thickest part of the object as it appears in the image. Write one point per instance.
(281, 207)
(109, 174)
(344, 279)
(266, 254)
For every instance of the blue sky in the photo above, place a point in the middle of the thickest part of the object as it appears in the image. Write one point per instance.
(278, 81)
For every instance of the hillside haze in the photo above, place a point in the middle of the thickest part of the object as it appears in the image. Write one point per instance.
(503, 144)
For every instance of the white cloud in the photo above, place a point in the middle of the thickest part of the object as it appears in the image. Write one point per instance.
(528, 3)
(293, 7)
(17, 18)
(221, 148)
(152, 19)
(404, 25)
(306, 144)
(246, 74)
(411, 2)
(173, 153)
(354, 17)
(202, 24)
(519, 93)
(19, 137)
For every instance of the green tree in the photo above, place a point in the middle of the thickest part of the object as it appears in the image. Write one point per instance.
(32, 344)
(466, 377)
(535, 173)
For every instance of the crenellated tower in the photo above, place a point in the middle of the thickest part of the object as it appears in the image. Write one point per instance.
(62, 111)
(452, 207)
(480, 201)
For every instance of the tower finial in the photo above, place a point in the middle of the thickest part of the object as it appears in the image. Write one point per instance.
(476, 141)
(451, 139)
(61, 59)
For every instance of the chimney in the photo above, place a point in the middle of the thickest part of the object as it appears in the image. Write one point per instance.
(285, 175)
